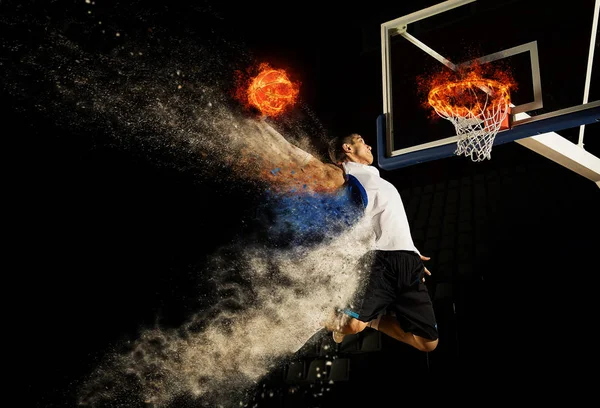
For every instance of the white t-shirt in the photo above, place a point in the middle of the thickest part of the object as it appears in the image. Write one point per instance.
(385, 207)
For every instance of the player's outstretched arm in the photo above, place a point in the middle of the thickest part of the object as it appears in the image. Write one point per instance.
(299, 169)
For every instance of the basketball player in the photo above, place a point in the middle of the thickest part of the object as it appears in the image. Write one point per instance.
(395, 300)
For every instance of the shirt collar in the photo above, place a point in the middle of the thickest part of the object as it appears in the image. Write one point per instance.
(353, 165)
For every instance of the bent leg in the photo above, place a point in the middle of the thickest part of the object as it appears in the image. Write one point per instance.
(390, 326)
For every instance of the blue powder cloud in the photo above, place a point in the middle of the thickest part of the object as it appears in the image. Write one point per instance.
(310, 218)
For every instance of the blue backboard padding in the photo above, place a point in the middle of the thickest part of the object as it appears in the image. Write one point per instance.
(588, 114)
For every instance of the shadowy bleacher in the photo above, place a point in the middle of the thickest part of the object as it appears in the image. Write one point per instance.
(326, 374)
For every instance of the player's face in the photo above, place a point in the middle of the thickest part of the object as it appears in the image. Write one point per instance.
(361, 151)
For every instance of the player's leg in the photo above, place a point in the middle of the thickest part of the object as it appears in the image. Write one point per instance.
(410, 318)
(388, 324)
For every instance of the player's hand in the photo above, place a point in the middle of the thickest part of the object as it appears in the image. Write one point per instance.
(427, 272)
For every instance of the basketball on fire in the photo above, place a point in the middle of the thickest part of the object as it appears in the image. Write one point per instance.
(271, 91)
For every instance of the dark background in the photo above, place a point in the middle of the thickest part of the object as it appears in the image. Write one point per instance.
(107, 242)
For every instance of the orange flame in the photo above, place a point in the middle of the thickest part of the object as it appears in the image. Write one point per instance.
(270, 91)
(475, 87)
(468, 95)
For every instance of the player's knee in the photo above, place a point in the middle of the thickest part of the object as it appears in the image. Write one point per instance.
(427, 345)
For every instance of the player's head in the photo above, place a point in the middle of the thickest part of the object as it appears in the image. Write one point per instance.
(350, 148)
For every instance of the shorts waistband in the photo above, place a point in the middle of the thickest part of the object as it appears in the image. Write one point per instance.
(397, 251)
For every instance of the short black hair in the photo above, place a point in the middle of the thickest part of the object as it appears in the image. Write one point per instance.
(336, 149)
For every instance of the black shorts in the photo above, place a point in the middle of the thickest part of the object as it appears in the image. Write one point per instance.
(395, 284)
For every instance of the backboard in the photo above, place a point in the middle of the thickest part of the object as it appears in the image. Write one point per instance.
(549, 50)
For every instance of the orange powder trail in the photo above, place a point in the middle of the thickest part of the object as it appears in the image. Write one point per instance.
(255, 156)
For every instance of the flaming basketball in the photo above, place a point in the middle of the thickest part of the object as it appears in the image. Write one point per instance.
(271, 91)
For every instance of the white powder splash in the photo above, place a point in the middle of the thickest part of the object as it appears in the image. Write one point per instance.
(168, 98)
(220, 355)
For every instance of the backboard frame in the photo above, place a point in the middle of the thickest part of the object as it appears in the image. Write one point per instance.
(522, 125)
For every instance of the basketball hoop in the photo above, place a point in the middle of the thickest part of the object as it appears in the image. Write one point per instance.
(478, 109)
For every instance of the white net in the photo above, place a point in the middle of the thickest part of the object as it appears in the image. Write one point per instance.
(478, 119)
